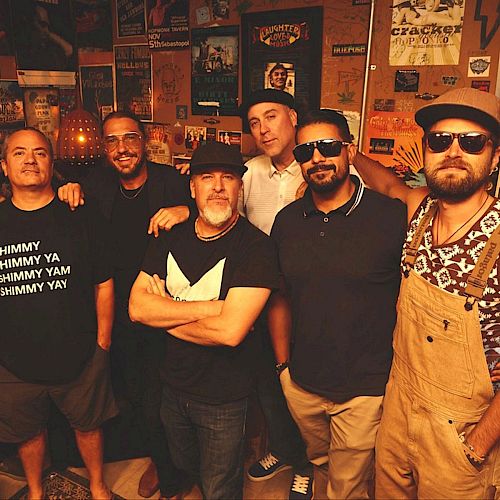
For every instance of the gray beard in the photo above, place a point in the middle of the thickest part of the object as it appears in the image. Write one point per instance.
(216, 218)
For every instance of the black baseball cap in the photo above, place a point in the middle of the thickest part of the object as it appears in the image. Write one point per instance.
(266, 95)
(217, 155)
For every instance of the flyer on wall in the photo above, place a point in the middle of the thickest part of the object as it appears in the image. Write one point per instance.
(168, 24)
(96, 85)
(214, 82)
(41, 108)
(426, 33)
(130, 18)
(133, 80)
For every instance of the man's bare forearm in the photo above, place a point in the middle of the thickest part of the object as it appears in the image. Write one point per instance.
(279, 321)
(486, 433)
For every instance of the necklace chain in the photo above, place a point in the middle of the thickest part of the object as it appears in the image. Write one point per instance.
(135, 195)
(215, 236)
(461, 226)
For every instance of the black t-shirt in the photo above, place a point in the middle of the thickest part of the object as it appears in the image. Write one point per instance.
(129, 225)
(198, 270)
(50, 260)
(342, 273)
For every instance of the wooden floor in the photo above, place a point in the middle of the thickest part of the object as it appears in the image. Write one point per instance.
(123, 478)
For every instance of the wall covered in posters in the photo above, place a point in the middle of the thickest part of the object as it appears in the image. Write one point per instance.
(282, 50)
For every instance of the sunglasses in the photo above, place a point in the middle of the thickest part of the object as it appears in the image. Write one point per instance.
(469, 142)
(327, 147)
(130, 139)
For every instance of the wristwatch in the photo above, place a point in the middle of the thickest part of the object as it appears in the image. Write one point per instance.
(280, 367)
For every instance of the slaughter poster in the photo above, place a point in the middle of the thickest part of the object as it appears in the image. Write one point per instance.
(133, 80)
(168, 24)
(426, 32)
(130, 17)
(214, 82)
(158, 136)
(282, 50)
(96, 85)
(395, 140)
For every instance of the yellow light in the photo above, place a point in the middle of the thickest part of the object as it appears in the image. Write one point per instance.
(81, 138)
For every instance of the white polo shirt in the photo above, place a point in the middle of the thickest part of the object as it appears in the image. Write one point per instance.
(267, 190)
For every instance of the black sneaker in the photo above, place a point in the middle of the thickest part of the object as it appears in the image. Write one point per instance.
(302, 487)
(266, 468)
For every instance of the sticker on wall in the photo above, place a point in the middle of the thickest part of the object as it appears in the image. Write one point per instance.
(426, 34)
(481, 85)
(384, 105)
(229, 138)
(202, 15)
(181, 112)
(405, 105)
(193, 136)
(381, 146)
(349, 49)
(449, 80)
(211, 134)
(406, 80)
(479, 66)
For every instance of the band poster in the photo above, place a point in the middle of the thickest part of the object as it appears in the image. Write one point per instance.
(282, 50)
(133, 80)
(426, 33)
(168, 25)
(130, 18)
(11, 105)
(395, 140)
(214, 82)
(41, 108)
(44, 35)
(158, 136)
(96, 86)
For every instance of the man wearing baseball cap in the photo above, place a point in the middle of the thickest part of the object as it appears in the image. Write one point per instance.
(205, 282)
(439, 436)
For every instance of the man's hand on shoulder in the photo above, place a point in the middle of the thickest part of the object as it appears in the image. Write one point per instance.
(167, 218)
(71, 194)
(183, 168)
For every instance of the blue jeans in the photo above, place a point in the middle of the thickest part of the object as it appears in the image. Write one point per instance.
(206, 441)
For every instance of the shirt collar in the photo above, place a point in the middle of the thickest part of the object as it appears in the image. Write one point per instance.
(293, 169)
(346, 209)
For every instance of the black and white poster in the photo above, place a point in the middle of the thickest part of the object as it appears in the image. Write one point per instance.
(133, 80)
(96, 85)
(214, 82)
(130, 18)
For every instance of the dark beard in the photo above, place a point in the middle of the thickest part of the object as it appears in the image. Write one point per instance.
(452, 189)
(327, 186)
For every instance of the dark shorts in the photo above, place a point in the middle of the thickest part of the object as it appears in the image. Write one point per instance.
(86, 402)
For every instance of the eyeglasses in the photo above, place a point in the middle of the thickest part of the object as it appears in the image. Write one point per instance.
(130, 139)
(469, 142)
(327, 147)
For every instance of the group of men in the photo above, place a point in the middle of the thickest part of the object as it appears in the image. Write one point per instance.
(210, 307)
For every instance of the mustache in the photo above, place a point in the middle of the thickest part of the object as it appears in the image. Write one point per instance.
(453, 163)
(217, 197)
(321, 168)
(130, 155)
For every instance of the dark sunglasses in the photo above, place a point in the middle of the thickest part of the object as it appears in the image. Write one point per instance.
(470, 142)
(327, 147)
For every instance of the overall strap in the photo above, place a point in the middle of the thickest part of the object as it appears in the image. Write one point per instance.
(478, 278)
(412, 247)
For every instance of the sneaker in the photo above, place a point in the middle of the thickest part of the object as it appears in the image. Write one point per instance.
(302, 487)
(266, 468)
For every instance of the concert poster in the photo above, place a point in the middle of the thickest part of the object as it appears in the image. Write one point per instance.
(168, 24)
(130, 17)
(96, 87)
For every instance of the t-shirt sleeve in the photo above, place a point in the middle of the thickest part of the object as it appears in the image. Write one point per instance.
(156, 257)
(177, 186)
(101, 245)
(258, 265)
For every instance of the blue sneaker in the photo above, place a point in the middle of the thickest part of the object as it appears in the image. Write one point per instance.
(302, 487)
(266, 468)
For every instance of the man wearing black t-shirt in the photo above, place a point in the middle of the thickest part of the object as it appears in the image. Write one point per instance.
(339, 249)
(56, 303)
(137, 197)
(205, 282)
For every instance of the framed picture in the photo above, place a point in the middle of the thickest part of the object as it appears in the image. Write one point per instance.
(282, 50)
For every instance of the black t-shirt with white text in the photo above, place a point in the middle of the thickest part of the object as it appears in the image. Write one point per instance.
(199, 270)
(50, 260)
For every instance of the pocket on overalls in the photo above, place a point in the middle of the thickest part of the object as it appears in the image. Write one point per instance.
(433, 344)
(456, 447)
